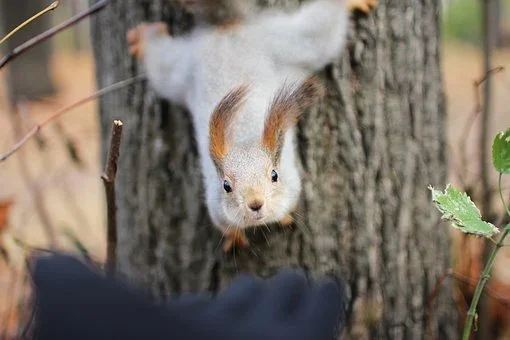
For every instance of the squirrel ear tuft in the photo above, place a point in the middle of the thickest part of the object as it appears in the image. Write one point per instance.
(221, 120)
(287, 107)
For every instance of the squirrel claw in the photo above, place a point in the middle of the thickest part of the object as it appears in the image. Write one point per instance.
(362, 5)
(137, 36)
(287, 220)
(234, 239)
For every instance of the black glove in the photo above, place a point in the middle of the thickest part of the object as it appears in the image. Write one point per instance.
(73, 302)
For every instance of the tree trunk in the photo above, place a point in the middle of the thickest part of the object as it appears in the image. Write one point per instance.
(369, 151)
(29, 75)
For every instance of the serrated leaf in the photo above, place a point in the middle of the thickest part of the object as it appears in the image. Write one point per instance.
(501, 152)
(458, 208)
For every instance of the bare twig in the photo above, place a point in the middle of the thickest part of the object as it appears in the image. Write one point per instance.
(31, 249)
(463, 279)
(486, 110)
(28, 21)
(486, 210)
(38, 127)
(108, 177)
(488, 290)
(70, 145)
(27, 329)
(52, 31)
(9, 302)
(477, 109)
(36, 194)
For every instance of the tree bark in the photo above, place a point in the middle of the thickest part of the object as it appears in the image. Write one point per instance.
(369, 150)
(29, 75)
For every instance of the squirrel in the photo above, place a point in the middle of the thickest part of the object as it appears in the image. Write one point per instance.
(246, 78)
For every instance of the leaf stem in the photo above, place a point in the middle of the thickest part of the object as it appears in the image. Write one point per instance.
(479, 287)
(485, 274)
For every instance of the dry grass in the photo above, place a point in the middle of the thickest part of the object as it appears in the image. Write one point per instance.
(73, 195)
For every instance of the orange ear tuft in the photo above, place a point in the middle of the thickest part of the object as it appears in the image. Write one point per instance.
(287, 107)
(220, 122)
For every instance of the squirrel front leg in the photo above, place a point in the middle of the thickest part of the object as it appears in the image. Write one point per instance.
(165, 59)
(235, 239)
(311, 37)
(362, 5)
(287, 220)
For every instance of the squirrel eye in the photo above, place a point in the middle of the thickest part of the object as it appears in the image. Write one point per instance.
(274, 176)
(226, 186)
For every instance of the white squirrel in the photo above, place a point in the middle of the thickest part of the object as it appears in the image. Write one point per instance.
(246, 83)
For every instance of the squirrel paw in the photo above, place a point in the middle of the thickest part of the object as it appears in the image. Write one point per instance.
(137, 37)
(235, 239)
(362, 5)
(287, 220)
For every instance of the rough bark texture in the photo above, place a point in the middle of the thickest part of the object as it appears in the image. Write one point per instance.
(369, 151)
(29, 75)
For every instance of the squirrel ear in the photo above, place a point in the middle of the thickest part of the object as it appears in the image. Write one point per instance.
(220, 122)
(287, 107)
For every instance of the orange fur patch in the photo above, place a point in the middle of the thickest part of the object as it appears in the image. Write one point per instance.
(228, 25)
(220, 122)
(287, 107)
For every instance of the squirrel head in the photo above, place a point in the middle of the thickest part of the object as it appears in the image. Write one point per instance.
(252, 176)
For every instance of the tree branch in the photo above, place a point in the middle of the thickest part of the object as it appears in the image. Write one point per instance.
(97, 94)
(28, 21)
(486, 197)
(477, 109)
(108, 177)
(52, 31)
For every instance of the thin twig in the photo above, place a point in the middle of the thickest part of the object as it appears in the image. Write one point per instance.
(108, 177)
(486, 197)
(31, 249)
(38, 127)
(28, 320)
(477, 109)
(36, 194)
(52, 31)
(28, 21)
(9, 303)
(463, 279)
(488, 290)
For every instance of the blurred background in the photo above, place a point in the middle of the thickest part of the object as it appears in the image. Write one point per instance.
(51, 191)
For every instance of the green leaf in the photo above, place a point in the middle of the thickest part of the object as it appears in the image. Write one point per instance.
(501, 152)
(507, 228)
(458, 208)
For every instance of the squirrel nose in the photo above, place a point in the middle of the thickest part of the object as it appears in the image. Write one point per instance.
(256, 205)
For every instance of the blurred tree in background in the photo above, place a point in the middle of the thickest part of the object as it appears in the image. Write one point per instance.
(462, 21)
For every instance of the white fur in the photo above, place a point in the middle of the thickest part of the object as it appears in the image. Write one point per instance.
(199, 69)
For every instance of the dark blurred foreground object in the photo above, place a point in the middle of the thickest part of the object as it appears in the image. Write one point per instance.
(74, 302)
(29, 75)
